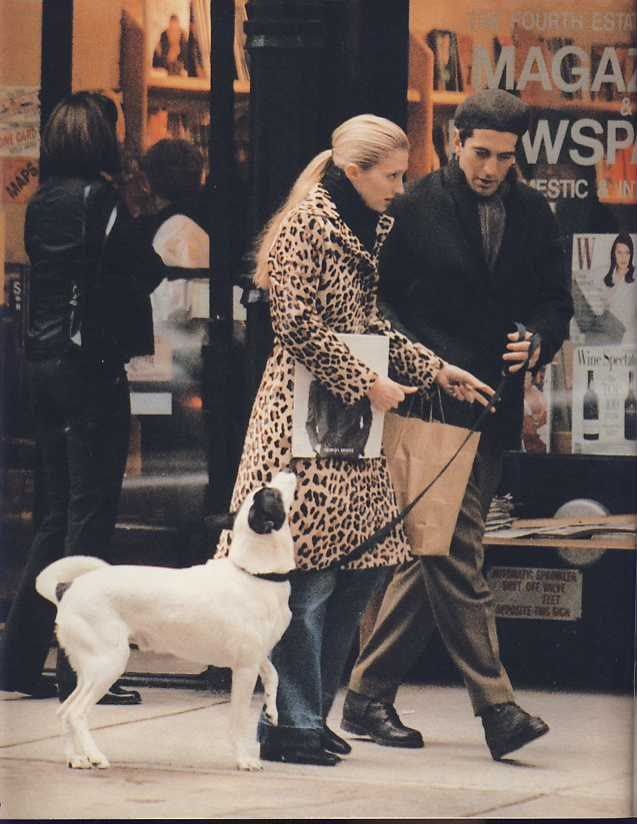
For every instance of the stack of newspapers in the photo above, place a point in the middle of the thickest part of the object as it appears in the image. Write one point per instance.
(500, 514)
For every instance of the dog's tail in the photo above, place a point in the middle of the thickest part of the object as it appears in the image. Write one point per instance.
(53, 581)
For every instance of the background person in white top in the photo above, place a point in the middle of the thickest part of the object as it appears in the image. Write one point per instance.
(174, 170)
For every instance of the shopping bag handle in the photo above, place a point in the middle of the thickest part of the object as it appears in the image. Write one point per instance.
(416, 397)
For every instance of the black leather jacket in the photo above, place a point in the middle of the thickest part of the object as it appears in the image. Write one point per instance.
(82, 282)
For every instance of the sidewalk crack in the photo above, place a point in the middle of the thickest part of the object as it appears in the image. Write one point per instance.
(120, 723)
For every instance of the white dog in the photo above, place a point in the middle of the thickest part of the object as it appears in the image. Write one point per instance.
(229, 612)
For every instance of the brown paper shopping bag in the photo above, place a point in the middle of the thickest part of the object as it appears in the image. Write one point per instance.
(416, 451)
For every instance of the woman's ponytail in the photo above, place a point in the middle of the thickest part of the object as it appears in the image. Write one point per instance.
(308, 178)
(364, 140)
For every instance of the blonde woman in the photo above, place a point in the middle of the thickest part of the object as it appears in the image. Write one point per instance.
(318, 259)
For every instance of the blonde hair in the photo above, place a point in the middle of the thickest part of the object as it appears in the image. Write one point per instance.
(364, 140)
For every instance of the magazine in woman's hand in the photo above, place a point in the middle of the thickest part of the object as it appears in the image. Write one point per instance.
(323, 426)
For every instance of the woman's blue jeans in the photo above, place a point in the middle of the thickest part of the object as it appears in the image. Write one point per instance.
(327, 606)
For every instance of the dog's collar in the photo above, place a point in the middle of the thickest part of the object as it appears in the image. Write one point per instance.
(272, 576)
(277, 577)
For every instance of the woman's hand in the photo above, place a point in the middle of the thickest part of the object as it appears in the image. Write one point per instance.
(386, 394)
(463, 386)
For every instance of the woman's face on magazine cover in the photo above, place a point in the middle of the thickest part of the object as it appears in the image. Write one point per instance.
(486, 158)
(380, 184)
(622, 257)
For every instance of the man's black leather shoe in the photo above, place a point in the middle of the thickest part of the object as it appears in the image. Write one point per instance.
(45, 688)
(378, 720)
(317, 757)
(508, 727)
(332, 742)
(119, 696)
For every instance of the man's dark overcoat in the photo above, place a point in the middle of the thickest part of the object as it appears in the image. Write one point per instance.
(436, 283)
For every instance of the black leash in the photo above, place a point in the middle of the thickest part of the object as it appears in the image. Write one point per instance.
(386, 530)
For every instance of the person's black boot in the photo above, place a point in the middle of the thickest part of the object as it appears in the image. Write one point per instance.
(332, 742)
(379, 721)
(44, 688)
(508, 727)
(120, 696)
(317, 757)
(291, 745)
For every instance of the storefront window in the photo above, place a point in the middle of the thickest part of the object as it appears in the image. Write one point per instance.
(574, 64)
(165, 87)
(152, 58)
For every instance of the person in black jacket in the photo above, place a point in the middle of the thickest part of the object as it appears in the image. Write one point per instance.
(92, 270)
(473, 250)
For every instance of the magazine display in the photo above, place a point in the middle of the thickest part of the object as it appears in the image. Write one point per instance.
(604, 290)
(536, 424)
(605, 400)
(323, 426)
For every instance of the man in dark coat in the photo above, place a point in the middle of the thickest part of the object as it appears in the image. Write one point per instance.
(472, 251)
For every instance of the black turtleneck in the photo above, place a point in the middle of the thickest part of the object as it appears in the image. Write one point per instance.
(357, 215)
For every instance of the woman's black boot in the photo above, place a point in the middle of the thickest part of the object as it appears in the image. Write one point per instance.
(332, 742)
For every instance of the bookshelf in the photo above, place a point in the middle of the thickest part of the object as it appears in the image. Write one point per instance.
(158, 104)
(190, 85)
(447, 99)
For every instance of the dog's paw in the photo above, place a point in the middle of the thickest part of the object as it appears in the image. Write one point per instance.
(78, 762)
(100, 761)
(248, 763)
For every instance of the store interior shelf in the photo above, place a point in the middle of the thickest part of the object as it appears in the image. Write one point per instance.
(599, 106)
(189, 85)
(453, 99)
(447, 98)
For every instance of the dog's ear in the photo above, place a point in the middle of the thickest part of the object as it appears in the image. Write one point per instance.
(223, 520)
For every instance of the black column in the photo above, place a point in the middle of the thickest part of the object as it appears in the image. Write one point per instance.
(379, 53)
(313, 64)
(337, 68)
(57, 55)
(364, 61)
(219, 393)
(285, 40)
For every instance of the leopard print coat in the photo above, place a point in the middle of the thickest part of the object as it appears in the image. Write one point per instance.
(323, 282)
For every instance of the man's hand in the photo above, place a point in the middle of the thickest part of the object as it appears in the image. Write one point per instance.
(386, 394)
(463, 386)
(517, 353)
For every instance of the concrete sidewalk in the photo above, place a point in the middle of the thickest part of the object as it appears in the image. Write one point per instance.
(172, 759)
